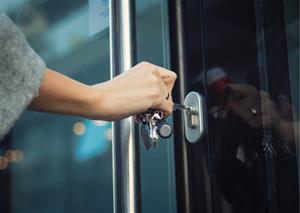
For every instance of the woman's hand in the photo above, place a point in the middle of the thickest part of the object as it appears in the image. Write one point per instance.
(136, 90)
(142, 87)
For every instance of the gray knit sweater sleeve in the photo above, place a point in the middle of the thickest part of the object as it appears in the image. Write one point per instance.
(21, 71)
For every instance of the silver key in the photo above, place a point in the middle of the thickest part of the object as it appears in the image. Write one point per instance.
(152, 133)
(150, 119)
(145, 137)
(143, 119)
(181, 107)
(154, 120)
(156, 117)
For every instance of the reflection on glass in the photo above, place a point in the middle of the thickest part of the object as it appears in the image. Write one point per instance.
(292, 33)
(240, 121)
(253, 121)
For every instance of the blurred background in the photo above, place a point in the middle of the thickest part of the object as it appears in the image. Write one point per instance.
(54, 163)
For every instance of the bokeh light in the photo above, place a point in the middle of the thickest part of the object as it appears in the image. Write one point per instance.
(14, 156)
(3, 163)
(79, 128)
(109, 134)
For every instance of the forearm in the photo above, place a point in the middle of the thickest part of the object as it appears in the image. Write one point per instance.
(142, 87)
(63, 95)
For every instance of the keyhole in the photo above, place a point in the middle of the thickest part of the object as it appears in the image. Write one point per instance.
(192, 118)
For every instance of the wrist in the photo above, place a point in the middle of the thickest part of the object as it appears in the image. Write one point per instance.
(96, 107)
(87, 105)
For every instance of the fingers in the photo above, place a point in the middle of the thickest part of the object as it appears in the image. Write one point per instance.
(166, 80)
(170, 107)
(164, 104)
(236, 92)
(168, 77)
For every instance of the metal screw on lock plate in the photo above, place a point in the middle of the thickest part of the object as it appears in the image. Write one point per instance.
(193, 116)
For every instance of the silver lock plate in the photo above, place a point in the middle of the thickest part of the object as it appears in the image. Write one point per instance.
(194, 118)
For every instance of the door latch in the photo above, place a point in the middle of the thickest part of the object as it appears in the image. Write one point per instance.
(193, 108)
(194, 124)
(194, 117)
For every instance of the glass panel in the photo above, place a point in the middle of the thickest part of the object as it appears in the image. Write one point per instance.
(252, 77)
(157, 164)
(292, 33)
(61, 163)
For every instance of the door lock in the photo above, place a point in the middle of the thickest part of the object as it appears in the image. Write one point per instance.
(194, 124)
(194, 117)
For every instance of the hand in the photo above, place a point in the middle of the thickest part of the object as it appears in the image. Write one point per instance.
(135, 91)
(249, 105)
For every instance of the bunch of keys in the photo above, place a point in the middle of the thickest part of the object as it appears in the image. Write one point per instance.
(158, 127)
(153, 119)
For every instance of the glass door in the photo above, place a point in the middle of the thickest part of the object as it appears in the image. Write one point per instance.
(253, 123)
(243, 57)
(53, 163)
